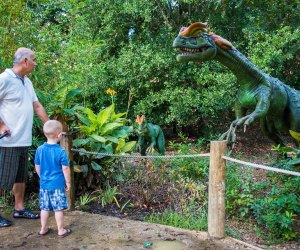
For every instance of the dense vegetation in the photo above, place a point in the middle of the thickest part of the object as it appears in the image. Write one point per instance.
(89, 46)
(126, 46)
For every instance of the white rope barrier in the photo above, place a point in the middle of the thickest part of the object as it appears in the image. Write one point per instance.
(139, 156)
(283, 171)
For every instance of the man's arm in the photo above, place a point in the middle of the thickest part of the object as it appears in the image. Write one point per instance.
(37, 169)
(40, 111)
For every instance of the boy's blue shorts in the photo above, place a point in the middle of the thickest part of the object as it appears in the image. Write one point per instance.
(53, 200)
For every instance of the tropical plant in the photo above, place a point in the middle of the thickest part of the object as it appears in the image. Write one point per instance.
(64, 107)
(109, 195)
(104, 133)
(85, 199)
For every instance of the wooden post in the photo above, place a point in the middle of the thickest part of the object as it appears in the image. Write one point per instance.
(66, 142)
(216, 190)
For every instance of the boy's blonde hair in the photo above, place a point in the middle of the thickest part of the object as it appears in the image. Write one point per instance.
(52, 128)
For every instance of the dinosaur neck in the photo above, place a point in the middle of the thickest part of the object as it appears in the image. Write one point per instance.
(240, 66)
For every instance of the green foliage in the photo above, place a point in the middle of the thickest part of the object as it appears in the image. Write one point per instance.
(274, 203)
(127, 46)
(278, 211)
(192, 217)
(7, 200)
(109, 195)
(104, 132)
(239, 191)
(86, 199)
(64, 107)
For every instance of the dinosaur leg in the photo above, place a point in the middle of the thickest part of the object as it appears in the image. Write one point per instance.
(271, 132)
(294, 120)
(161, 143)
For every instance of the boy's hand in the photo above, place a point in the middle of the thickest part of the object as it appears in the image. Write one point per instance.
(68, 187)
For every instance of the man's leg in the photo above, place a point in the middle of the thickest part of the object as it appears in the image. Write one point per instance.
(19, 186)
(19, 192)
(4, 222)
(7, 176)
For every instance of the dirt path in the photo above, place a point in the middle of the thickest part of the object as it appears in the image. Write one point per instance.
(91, 231)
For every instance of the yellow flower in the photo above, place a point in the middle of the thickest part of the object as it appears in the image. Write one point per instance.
(110, 91)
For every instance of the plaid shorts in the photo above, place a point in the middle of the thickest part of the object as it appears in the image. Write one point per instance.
(13, 166)
(53, 200)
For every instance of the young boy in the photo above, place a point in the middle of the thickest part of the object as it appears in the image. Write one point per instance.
(52, 166)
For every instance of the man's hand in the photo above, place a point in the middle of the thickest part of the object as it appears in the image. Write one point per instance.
(4, 128)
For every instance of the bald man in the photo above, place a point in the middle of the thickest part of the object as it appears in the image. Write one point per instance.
(18, 103)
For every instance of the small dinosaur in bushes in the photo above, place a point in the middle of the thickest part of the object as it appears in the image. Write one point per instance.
(150, 137)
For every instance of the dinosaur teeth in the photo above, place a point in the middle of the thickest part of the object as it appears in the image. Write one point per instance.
(187, 51)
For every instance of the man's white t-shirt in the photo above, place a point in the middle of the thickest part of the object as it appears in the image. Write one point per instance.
(16, 108)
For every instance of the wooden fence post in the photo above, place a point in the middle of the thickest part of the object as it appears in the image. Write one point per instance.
(216, 189)
(66, 143)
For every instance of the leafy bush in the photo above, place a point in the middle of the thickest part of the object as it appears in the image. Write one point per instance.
(239, 192)
(104, 132)
(278, 212)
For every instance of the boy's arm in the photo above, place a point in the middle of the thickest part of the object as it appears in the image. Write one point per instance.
(37, 169)
(67, 175)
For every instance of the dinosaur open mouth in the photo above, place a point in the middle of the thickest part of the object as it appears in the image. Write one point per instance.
(188, 51)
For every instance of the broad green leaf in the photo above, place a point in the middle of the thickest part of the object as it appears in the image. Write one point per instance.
(123, 132)
(96, 166)
(88, 129)
(294, 162)
(129, 146)
(78, 169)
(285, 149)
(112, 139)
(91, 115)
(109, 149)
(72, 93)
(80, 142)
(295, 135)
(80, 108)
(83, 119)
(108, 128)
(105, 114)
(99, 138)
(120, 145)
(115, 116)
(121, 120)
(69, 111)
(85, 169)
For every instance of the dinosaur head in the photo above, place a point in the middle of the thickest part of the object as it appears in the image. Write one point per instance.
(141, 130)
(196, 43)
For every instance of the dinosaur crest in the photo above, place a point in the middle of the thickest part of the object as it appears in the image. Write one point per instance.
(140, 119)
(195, 29)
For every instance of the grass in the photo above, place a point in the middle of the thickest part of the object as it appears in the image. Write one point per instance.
(180, 220)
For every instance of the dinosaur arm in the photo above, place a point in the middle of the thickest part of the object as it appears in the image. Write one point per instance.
(239, 110)
(153, 132)
(263, 98)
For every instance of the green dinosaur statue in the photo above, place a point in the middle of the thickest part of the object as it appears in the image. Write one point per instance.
(150, 137)
(275, 104)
